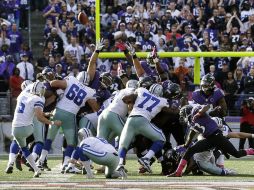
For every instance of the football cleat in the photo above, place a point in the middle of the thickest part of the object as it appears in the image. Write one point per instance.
(230, 172)
(175, 174)
(142, 170)
(45, 166)
(63, 168)
(146, 163)
(73, 170)
(37, 173)
(39, 165)
(83, 171)
(9, 169)
(121, 170)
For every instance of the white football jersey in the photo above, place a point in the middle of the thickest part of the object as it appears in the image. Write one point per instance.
(147, 104)
(95, 145)
(118, 106)
(93, 117)
(75, 95)
(24, 111)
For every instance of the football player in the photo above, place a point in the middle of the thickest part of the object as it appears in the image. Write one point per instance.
(200, 122)
(146, 104)
(76, 94)
(28, 105)
(209, 94)
(99, 151)
(112, 119)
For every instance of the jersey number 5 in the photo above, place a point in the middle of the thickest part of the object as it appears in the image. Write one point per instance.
(76, 94)
(155, 101)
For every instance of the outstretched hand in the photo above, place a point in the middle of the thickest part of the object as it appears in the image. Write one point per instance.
(100, 45)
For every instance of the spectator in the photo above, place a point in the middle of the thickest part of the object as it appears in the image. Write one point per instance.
(26, 68)
(249, 82)
(247, 121)
(7, 67)
(15, 42)
(24, 7)
(15, 87)
(222, 75)
(108, 17)
(75, 49)
(230, 89)
(43, 61)
(56, 41)
(239, 78)
(181, 72)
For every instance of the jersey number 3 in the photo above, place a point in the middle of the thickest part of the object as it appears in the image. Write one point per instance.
(76, 94)
(155, 101)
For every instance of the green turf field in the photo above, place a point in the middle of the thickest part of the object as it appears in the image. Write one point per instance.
(244, 167)
(56, 180)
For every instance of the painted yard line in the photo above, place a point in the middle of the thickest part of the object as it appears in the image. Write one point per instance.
(53, 176)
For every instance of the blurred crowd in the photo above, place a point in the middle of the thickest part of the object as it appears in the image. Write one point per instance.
(168, 25)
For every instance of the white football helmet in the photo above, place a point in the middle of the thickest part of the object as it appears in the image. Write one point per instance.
(25, 84)
(38, 88)
(83, 77)
(84, 133)
(132, 84)
(156, 89)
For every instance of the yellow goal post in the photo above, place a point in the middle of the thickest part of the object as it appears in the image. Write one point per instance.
(196, 55)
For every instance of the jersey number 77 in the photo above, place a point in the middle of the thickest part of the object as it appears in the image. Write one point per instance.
(149, 100)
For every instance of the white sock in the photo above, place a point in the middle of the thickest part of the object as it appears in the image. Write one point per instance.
(86, 164)
(149, 155)
(121, 161)
(34, 155)
(144, 152)
(44, 154)
(66, 160)
(12, 158)
(31, 161)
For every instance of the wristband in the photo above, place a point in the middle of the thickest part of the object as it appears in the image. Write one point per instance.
(134, 56)
(252, 136)
(97, 51)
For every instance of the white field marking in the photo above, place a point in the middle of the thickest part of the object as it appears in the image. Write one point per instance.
(136, 183)
(54, 175)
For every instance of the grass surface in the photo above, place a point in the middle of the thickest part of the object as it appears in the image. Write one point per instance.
(244, 167)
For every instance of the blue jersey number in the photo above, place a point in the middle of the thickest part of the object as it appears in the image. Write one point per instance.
(21, 107)
(76, 94)
(147, 98)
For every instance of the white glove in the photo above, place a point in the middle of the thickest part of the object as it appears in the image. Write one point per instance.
(100, 45)
(130, 48)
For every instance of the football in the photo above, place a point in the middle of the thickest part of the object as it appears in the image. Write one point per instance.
(83, 18)
(120, 36)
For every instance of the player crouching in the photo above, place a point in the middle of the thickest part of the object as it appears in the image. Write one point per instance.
(97, 150)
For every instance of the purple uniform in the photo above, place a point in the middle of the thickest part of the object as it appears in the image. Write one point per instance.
(204, 125)
(201, 98)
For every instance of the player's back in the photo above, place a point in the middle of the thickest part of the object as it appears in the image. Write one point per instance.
(24, 111)
(147, 104)
(75, 95)
(95, 144)
(200, 98)
(118, 106)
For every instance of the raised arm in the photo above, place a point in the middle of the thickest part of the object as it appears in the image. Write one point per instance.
(91, 69)
(131, 56)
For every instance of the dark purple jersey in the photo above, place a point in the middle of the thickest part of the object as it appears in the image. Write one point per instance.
(204, 125)
(200, 98)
